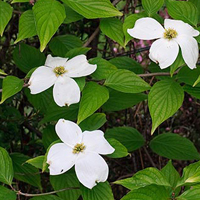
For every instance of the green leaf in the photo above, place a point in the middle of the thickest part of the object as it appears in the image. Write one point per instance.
(192, 194)
(191, 175)
(113, 28)
(152, 6)
(76, 51)
(197, 81)
(92, 9)
(55, 113)
(71, 15)
(2, 72)
(126, 81)
(25, 172)
(150, 192)
(93, 97)
(99, 192)
(128, 136)
(40, 101)
(120, 149)
(171, 175)
(5, 15)
(144, 178)
(27, 27)
(66, 180)
(164, 99)
(6, 193)
(120, 101)
(188, 76)
(129, 22)
(49, 15)
(49, 136)
(193, 91)
(197, 4)
(93, 122)
(27, 57)
(47, 197)
(104, 68)
(127, 63)
(177, 63)
(61, 44)
(11, 86)
(36, 162)
(81, 82)
(173, 146)
(182, 10)
(6, 172)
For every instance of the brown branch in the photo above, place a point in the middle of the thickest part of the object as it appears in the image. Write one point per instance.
(47, 193)
(149, 157)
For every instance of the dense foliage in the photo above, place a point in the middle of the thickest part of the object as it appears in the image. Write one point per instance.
(149, 115)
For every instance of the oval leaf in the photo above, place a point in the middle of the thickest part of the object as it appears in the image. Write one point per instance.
(7, 194)
(93, 8)
(49, 15)
(6, 172)
(174, 146)
(27, 27)
(113, 28)
(11, 85)
(93, 97)
(126, 81)
(152, 6)
(5, 15)
(128, 136)
(164, 99)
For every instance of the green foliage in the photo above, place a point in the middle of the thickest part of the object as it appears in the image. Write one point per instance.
(6, 172)
(120, 101)
(49, 15)
(164, 99)
(120, 149)
(128, 136)
(71, 15)
(27, 27)
(173, 146)
(127, 63)
(104, 68)
(113, 28)
(152, 6)
(126, 81)
(146, 177)
(9, 194)
(24, 171)
(60, 45)
(5, 15)
(93, 122)
(47, 197)
(92, 9)
(27, 57)
(93, 97)
(99, 192)
(66, 180)
(11, 86)
(185, 11)
(36, 162)
(148, 193)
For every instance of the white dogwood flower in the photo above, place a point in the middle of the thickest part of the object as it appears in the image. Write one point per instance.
(59, 72)
(81, 149)
(165, 50)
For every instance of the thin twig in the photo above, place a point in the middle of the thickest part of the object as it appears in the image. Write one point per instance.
(157, 74)
(47, 193)
(149, 157)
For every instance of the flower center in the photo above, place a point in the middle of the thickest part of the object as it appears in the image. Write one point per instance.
(59, 71)
(170, 34)
(78, 148)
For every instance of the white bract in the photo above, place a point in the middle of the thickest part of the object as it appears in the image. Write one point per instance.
(81, 149)
(59, 72)
(165, 50)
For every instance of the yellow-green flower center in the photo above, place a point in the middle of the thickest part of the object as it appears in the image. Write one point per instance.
(59, 71)
(170, 34)
(78, 148)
